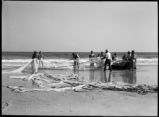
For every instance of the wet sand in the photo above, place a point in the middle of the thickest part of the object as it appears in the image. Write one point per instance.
(89, 102)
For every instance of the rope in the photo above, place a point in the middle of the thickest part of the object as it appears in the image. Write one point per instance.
(20, 69)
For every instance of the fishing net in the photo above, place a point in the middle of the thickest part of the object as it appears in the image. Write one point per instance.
(58, 82)
(27, 68)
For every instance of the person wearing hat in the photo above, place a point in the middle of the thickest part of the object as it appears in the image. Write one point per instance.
(108, 60)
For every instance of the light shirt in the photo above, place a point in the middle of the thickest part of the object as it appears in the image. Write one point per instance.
(108, 56)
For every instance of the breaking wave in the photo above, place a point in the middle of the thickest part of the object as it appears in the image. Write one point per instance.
(67, 63)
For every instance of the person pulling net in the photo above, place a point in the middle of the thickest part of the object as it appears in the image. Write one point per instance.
(75, 57)
(30, 67)
(92, 59)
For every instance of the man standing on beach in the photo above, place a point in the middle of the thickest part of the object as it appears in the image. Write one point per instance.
(108, 60)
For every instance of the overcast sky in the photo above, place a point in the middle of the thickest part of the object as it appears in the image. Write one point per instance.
(79, 26)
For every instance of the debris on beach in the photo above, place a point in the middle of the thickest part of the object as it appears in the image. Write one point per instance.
(60, 83)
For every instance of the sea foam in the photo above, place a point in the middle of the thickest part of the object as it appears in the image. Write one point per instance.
(49, 63)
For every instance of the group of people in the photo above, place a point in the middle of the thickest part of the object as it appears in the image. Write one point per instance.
(130, 57)
(106, 59)
(99, 60)
(37, 59)
(102, 58)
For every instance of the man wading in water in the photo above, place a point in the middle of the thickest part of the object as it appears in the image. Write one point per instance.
(133, 60)
(75, 57)
(41, 58)
(108, 60)
(35, 62)
(92, 59)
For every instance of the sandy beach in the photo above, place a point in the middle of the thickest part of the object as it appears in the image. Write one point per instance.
(79, 58)
(54, 56)
(89, 102)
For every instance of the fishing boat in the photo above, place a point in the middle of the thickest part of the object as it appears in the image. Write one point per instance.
(122, 65)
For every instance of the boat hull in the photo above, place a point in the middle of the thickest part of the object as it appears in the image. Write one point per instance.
(122, 65)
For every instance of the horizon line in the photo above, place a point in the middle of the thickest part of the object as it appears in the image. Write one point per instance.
(77, 51)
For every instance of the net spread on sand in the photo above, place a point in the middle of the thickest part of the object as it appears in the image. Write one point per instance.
(59, 83)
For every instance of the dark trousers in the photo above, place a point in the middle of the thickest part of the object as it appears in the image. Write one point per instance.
(107, 62)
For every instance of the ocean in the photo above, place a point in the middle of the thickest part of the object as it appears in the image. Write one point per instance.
(143, 58)
(146, 73)
(67, 55)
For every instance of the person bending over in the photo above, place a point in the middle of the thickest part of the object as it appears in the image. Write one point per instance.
(75, 57)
